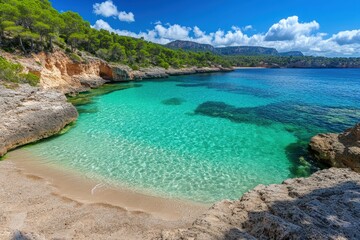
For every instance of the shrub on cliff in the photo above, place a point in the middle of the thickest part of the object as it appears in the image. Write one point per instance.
(12, 72)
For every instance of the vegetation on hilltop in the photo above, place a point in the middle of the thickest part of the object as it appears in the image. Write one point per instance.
(34, 25)
(292, 61)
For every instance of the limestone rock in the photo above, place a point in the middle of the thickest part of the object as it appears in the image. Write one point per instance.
(338, 150)
(29, 114)
(323, 206)
(125, 73)
(58, 72)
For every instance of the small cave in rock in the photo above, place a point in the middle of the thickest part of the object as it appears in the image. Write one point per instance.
(106, 72)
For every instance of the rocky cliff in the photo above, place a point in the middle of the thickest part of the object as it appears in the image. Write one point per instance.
(29, 114)
(57, 71)
(338, 150)
(323, 206)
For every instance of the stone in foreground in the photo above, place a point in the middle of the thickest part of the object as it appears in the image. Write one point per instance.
(323, 206)
(338, 150)
(29, 114)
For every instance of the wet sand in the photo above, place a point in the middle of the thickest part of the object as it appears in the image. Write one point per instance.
(46, 202)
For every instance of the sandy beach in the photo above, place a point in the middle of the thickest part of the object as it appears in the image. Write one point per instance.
(45, 203)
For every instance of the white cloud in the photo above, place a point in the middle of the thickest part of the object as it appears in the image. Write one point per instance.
(197, 32)
(347, 37)
(173, 32)
(290, 28)
(248, 27)
(109, 9)
(302, 38)
(201, 36)
(126, 17)
(150, 35)
(101, 24)
(106, 9)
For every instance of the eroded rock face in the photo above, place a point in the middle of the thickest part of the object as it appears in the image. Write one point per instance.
(58, 72)
(61, 73)
(338, 150)
(29, 114)
(323, 206)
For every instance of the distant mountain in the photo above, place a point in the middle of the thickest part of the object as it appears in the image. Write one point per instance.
(291, 53)
(190, 46)
(246, 50)
(229, 51)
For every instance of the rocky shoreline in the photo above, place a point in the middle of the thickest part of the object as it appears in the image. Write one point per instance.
(57, 71)
(29, 114)
(338, 150)
(321, 206)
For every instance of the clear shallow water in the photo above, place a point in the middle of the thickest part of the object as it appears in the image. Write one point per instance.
(207, 137)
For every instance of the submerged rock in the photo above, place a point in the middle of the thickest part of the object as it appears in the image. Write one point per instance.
(323, 206)
(29, 114)
(173, 101)
(338, 150)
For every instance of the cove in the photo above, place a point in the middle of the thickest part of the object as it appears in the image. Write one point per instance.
(205, 137)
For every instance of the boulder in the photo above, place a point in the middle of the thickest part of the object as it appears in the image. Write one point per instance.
(29, 114)
(338, 150)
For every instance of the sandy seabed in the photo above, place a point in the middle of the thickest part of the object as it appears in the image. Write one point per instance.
(44, 202)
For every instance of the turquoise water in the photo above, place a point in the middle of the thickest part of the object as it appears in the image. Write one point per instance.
(207, 137)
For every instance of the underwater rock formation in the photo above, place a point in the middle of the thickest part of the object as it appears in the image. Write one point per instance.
(173, 101)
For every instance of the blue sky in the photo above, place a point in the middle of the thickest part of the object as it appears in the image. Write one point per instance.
(330, 28)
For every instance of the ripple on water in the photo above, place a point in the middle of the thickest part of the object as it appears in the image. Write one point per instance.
(226, 134)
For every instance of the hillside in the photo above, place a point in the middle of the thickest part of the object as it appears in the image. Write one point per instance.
(291, 53)
(230, 51)
(246, 51)
(32, 26)
(190, 46)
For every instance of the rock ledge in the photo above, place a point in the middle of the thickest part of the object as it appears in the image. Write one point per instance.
(29, 114)
(338, 150)
(323, 206)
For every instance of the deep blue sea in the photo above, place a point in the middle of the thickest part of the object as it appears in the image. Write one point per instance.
(206, 137)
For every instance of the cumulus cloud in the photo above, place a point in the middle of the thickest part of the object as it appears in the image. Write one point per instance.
(347, 37)
(109, 9)
(173, 32)
(289, 28)
(302, 37)
(201, 36)
(106, 9)
(126, 17)
(150, 35)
